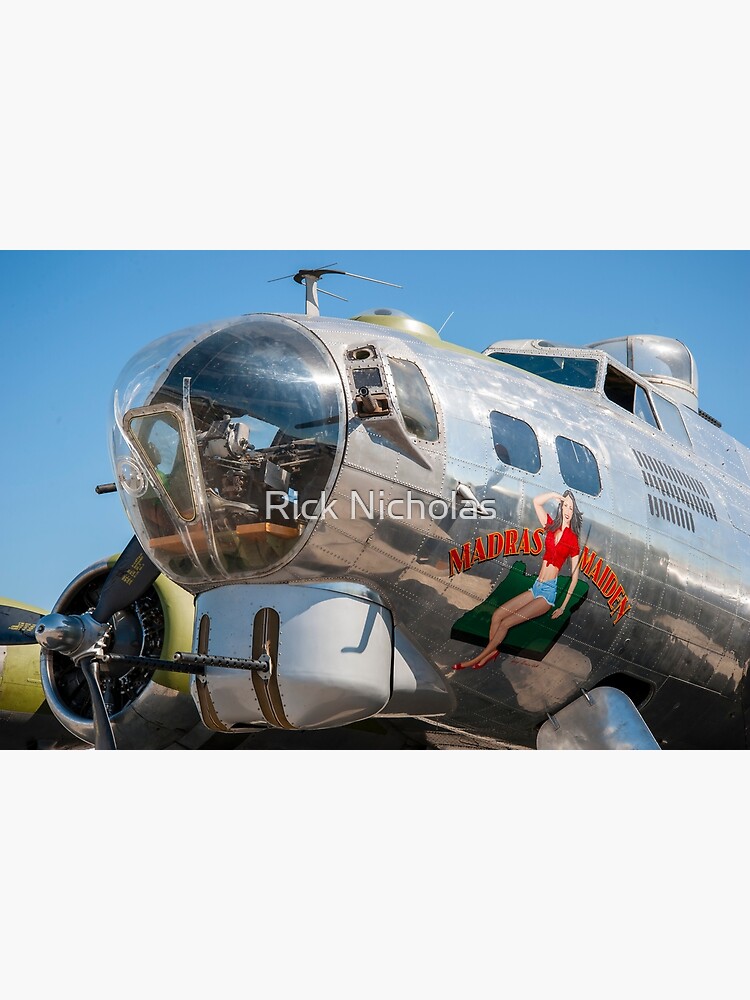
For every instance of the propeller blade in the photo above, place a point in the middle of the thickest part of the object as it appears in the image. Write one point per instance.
(17, 626)
(104, 737)
(129, 579)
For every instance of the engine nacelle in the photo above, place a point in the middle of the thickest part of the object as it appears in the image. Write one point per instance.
(148, 709)
(335, 659)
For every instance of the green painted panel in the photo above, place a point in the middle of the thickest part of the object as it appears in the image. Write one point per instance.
(533, 639)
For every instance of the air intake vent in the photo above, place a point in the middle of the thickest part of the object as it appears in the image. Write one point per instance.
(685, 495)
(668, 512)
(709, 418)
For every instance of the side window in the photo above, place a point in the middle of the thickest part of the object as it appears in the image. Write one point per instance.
(515, 442)
(578, 466)
(629, 395)
(643, 407)
(671, 421)
(619, 388)
(414, 400)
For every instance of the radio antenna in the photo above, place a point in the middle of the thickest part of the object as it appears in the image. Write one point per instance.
(310, 279)
(444, 324)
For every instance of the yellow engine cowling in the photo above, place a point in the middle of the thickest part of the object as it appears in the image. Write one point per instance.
(148, 709)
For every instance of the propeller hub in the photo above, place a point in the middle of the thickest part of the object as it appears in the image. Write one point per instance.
(59, 633)
(73, 635)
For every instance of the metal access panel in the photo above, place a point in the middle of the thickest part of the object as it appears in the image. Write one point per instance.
(602, 719)
(330, 649)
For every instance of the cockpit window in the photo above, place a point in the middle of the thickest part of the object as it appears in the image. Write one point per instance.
(515, 442)
(619, 388)
(578, 466)
(643, 407)
(623, 391)
(658, 358)
(580, 373)
(414, 400)
(671, 421)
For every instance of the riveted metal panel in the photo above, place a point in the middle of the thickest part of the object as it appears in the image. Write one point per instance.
(663, 525)
(333, 664)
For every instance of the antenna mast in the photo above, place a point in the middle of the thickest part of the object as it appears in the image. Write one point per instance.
(310, 279)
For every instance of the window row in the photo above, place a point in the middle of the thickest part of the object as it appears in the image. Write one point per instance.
(515, 441)
(582, 373)
(516, 444)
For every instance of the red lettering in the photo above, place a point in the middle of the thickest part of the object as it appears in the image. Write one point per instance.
(460, 562)
(479, 554)
(587, 558)
(611, 585)
(497, 543)
(624, 608)
(494, 545)
(617, 596)
(525, 544)
(511, 542)
(538, 542)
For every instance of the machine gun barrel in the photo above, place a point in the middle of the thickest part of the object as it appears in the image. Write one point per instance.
(188, 663)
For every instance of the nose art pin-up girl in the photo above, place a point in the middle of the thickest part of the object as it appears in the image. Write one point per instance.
(561, 543)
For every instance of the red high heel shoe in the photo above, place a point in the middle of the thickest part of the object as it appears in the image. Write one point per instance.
(490, 659)
(477, 666)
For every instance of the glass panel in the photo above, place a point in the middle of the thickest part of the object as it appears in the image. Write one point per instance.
(515, 442)
(578, 466)
(619, 388)
(643, 407)
(671, 420)
(657, 356)
(367, 376)
(577, 372)
(617, 349)
(414, 400)
(265, 402)
(158, 436)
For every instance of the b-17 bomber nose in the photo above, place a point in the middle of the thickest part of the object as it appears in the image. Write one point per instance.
(224, 447)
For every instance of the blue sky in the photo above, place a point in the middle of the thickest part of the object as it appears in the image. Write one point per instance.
(71, 320)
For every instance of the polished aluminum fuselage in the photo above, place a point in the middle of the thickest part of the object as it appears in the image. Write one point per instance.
(672, 522)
